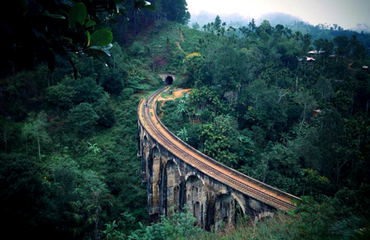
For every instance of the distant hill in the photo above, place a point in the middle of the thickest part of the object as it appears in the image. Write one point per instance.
(278, 18)
(231, 19)
(239, 20)
(324, 31)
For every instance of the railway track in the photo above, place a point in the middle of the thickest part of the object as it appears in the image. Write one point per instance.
(247, 185)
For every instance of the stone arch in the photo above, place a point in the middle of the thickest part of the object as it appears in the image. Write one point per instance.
(190, 174)
(224, 210)
(239, 201)
(239, 207)
(172, 185)
(196, 197)
(166, 161)
(167, 76)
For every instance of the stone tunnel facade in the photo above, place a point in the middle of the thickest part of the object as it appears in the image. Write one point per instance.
(172, 184)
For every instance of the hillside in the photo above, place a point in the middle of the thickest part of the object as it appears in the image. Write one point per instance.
(69, 147)
(69, 166)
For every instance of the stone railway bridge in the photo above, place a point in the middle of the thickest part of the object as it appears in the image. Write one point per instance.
(177, 174)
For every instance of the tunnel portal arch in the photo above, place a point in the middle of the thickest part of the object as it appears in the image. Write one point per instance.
(169, 80)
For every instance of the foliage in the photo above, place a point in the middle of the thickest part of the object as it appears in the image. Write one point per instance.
(35, 127)
(258, 107)
(105, 111)
(61, 95)
(83, 117)
(180, 225)
(69, 144)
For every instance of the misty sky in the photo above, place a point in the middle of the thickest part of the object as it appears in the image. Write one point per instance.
(345, 13)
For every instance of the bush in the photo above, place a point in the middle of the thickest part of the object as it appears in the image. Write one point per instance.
(87, 90)
(105, 112)
(84, 118)
(181, 225)
(61, 96)
(112, 82)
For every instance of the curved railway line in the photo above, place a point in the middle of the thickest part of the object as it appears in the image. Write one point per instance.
(238, 181)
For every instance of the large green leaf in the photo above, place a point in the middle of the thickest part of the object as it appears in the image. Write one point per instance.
(97, 55)
(77, 14)
(88, 37)
(47, 14)
(104, 49)
(90, 23)
(101, 37)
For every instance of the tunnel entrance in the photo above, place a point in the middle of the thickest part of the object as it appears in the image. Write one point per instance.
(169, 80)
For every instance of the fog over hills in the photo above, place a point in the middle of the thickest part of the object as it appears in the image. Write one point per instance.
(362, 27)
(237, 19)
(278, 18)
(274, 18)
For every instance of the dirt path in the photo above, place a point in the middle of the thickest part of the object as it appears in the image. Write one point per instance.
(160, 107)
(179, 46)
(182, 36)
(177, 93)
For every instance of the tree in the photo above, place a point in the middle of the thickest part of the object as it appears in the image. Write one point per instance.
(176, 10)
(87, 90)
(7, 129)
(297, 36)
(306, 42)
(84, 118)
(252, 25)
(35, 127)
(220, 141)
(37, 30)
(183, 134)
(112, 82)
(305, 99)
(195, 26)
(341, 43)
(182, 109)
(61, 95)
(24, 184)
(180, 225)
(103, 108)
(193, 68)
(217, 24)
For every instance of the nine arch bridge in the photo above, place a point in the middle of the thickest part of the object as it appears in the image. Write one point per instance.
(177, 174)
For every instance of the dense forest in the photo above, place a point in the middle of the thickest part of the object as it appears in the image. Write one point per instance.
(73, 72)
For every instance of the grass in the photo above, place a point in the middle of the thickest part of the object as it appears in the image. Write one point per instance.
(278, 227)
(166, 93)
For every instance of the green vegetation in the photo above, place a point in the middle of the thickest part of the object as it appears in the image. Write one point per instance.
(259, 107)
(69, 168)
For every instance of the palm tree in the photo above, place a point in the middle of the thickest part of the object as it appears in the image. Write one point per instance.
(183, 134)
(297, 36)
(181, 109)
(306, 42)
